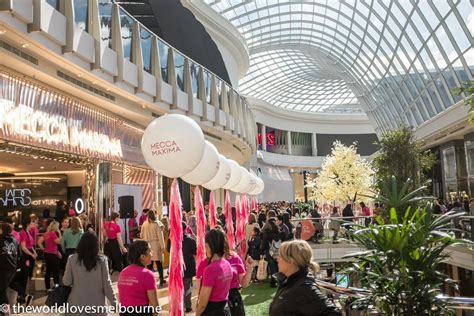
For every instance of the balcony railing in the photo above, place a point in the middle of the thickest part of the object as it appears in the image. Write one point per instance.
(102, 34)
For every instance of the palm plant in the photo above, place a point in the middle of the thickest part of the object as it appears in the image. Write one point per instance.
(401, 266)
(391, 197)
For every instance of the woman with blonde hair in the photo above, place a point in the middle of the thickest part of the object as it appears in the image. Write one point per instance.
(298, 293)
(152, 232)
(166, 235)
(71, 238)
(52, 257)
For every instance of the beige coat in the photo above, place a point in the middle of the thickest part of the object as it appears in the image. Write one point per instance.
(153, 233)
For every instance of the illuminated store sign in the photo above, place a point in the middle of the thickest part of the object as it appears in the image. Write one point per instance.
(16, 197)
(40, 126)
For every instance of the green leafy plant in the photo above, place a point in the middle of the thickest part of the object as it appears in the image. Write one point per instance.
(392, 196)
(401, 266)
(401, 155)
(468, 89)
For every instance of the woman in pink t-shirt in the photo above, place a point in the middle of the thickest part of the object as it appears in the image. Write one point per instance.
(33, 227)
(27, 261)
(52, 257)
(365, 212)
(136, 283)
(114, 248)
(216, 277)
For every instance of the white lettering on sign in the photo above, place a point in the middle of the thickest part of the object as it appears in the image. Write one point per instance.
(44, 202)
(16, 197)
(54, 129)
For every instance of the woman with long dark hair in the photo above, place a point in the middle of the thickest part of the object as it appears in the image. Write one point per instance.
(216, 278)
(114, 247)
(87, 273)
(136, 284)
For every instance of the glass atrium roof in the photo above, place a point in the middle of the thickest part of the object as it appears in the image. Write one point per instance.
(396, 60)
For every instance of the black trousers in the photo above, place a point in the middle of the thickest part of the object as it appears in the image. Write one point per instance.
(236, 304)
(7, 277)
(188, 292)
(27, 264)
(52, 262)
(112, 251)
(217, 309)
(159, 266)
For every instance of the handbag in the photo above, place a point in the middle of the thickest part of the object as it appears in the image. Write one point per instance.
(262, 270)
(58, 296)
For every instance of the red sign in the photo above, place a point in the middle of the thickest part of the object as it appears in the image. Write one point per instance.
(307, 229)
(270, 139)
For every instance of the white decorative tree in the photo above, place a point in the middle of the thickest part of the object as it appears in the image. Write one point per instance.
(344, 176)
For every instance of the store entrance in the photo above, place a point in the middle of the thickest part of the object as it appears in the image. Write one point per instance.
(33, 181)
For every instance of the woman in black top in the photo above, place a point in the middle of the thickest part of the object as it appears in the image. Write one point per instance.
(298, 293)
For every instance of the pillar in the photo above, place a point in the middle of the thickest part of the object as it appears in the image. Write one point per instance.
(288, 140)
(103, 195)
(314, 145)
(264, 137)
(159, 194)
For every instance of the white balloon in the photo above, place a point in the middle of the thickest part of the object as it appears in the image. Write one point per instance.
(244, 181)
(206, 169)
(173, 145)
(222, 176)
(252, 184)
(235, 175)
(259, 187)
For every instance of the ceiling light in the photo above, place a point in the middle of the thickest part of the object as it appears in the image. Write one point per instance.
(42, 167)
(79, 75)
(25, 45)
(2, 31)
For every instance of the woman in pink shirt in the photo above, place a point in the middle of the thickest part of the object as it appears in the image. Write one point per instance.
(33, 227)
(52, 257)
(365, 212)
(216, 277)
(114, 247)
(136, 283)
(27, 261)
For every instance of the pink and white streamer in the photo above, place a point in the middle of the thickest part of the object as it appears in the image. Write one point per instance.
(212, 211)
(254, 204)
(176, 287)
(240, 226)
(229, 222)
(201, 225)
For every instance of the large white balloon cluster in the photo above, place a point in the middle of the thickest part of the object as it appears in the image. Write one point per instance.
(174, 146)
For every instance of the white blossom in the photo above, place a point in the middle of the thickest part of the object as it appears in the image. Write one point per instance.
(344, 175)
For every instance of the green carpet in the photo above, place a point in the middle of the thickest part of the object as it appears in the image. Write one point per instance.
(257, 298)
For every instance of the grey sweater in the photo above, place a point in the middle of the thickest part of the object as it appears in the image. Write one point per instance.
(89, 288)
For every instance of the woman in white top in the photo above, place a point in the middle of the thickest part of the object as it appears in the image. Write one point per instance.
(152, 232)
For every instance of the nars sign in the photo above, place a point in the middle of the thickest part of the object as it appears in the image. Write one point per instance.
(16, 197)
(23, 120)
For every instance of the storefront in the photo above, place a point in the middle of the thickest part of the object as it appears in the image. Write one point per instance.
(53, 147)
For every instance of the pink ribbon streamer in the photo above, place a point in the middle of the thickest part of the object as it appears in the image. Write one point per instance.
(229, 222)
(175, 279)
(254, 204)
(212, 211)
(201, 225)
(239, 234)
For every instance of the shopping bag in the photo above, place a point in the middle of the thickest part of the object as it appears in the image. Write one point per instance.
(58, 296)
(262, 270)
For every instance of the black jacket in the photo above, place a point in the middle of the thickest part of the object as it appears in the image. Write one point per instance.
(9, 254)
(254, 248)
(270, 233)
(189, 252)
(299, 295)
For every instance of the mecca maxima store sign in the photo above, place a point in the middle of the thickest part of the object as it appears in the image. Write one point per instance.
(32, 115)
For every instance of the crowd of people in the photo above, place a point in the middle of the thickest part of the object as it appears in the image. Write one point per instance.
(69, 247)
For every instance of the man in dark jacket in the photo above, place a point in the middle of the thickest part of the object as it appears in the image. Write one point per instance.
(189, 254)
(9, 257)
